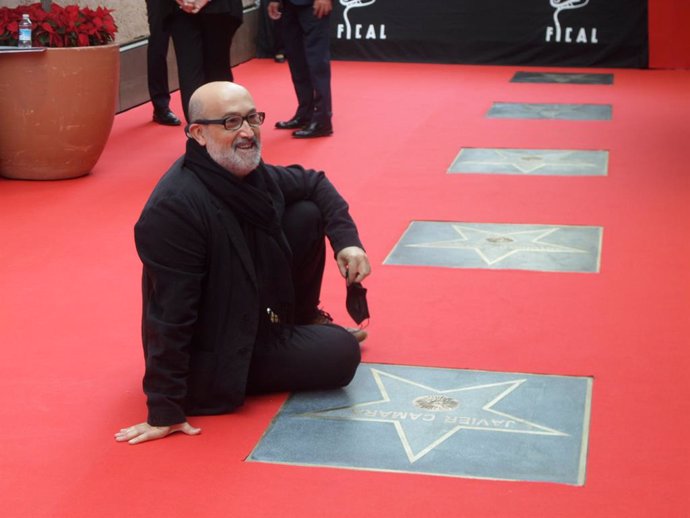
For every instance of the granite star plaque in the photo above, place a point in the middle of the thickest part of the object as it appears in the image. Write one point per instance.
(582, 112)
(545, 248)
(562, 78)
(448, 422)
(552, 162)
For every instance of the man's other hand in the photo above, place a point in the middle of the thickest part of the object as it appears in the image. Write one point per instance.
(143, 432)
(192, 6)
(353, 264)
(274, 10)
(322, 8)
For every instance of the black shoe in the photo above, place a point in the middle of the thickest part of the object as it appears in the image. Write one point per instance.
(294, 123)
(279, 58)
(167, 118)
(314, 130)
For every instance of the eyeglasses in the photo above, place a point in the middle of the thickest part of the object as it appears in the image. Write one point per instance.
(234, 122)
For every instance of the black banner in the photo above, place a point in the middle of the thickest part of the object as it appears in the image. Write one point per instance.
(579, 33)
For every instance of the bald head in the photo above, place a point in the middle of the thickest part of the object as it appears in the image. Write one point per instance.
(214, 100)
(238, 149)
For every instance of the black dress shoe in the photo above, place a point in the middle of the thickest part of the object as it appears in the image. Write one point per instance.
(314, 130)
(293, 123)
(167, 118)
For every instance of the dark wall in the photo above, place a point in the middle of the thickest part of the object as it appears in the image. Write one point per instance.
(573, 33)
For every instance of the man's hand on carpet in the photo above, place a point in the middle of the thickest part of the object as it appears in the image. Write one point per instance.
(143, 432)
(353, 264)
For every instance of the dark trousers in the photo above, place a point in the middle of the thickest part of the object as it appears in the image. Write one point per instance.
(307, 47)
(269, 41)
(308, 357)
(202, 48)
(156, 60)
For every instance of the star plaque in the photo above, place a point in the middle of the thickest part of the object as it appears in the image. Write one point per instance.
(546, 248)
(583, 112)
(562, 78)
(552, 162)
(439, 421)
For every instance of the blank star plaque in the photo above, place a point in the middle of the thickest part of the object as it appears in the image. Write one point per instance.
(449, 422)
(552, 162)
(575, 112)
(563, 78)
(546, 248)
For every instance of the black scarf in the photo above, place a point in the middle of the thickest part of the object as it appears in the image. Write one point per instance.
(251, 202)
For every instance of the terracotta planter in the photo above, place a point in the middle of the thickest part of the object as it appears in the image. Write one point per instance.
(56, 110)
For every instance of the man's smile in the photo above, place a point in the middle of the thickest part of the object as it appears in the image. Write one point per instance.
(245, 144)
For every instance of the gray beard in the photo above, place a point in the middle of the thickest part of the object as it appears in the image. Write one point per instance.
(237, 161)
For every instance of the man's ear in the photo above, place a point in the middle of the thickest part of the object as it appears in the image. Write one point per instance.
(195, 131)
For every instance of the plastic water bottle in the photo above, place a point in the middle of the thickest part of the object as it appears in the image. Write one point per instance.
(24, 32)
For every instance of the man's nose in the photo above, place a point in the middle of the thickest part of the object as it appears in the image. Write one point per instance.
(246, 129)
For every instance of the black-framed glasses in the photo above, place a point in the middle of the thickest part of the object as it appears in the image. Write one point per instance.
(234, 122)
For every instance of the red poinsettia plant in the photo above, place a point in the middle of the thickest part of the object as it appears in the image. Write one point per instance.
(70, 26)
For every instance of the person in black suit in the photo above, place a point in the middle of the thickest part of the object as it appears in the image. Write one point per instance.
(233, 254)
(157, 67)
(202, 32)
(306, 25)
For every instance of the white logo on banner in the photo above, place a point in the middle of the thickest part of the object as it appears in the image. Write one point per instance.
(559, 34)
(370, 32)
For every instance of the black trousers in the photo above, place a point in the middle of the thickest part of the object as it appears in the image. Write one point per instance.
(156, 60)
(307, 357)
(269, 41)
(202, 48)
(307, 47)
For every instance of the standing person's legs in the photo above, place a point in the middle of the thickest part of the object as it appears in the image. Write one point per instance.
(297, 60)
(218, 31)
(278, 40)
(156, 61)
(187, 38)
(318, 57)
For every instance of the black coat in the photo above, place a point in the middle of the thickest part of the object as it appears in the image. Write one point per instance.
(200, 299)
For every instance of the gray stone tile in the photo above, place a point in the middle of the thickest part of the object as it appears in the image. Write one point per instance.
(450, 422)
(546, 248)
(531, 162)
(563, 78)
(501, 110)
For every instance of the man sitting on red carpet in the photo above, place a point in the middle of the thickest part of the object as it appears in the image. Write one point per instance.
(233, 254)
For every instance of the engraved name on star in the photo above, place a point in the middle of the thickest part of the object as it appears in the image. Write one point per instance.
(424, 417)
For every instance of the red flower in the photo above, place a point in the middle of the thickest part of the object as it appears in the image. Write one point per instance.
(69, 26)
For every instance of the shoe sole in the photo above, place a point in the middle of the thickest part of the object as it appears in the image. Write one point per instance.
(167, 123)
(313, 136)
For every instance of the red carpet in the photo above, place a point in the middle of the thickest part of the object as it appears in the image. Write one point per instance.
(69, 310)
